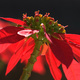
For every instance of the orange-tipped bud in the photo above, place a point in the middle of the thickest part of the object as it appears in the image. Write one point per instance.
(24, 16)
(29, 18)
(59, 24)
(47, 14)
(51, 18)
(36, 13)
(40, 15)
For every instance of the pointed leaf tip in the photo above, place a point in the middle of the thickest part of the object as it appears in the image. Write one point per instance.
(62, 51)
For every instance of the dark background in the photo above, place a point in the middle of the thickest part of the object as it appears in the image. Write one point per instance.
(67, 12)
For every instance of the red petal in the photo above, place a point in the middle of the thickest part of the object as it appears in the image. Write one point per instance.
(76, 50)
(17, 56)
(75, 38)
(39, 66)
(6, 55)
(30, 47)
(13, 61)
(52, 62)
(3, 47)
(9, 34)
(17, 21)
(3, 24)
(28, 54)
(73, 72)
(77, 58)
(62, 51)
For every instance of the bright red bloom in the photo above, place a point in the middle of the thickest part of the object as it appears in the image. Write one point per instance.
(61, 50)
(73, 72)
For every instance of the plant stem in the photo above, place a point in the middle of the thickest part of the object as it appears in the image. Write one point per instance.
(28, 68)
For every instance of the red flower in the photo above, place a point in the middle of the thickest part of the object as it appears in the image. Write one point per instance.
(61, 48)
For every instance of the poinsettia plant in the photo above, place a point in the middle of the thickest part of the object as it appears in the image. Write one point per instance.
(39, 36)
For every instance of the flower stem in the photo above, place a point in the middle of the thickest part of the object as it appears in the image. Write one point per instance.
(28, 68)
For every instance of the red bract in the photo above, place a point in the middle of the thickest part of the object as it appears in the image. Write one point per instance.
(3, 24)
(9, 35)
(73, 72)
(61, 50)
(53, 65)
(17, 21)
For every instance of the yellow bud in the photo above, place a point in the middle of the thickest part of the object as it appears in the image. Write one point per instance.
(29, 17)
(40, 15)
(59, 24)
(64, 31)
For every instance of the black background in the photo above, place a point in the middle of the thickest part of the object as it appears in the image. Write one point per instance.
(67, 12)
